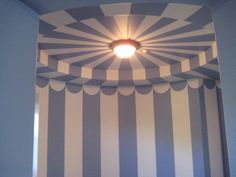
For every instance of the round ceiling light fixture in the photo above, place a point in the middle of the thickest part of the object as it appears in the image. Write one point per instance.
(125, 48)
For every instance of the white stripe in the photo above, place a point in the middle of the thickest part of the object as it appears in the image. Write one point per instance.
(73, 134)
(116, 9)
(184, 51)
(75, 32)
(154, 60)
(182, 133)
(183, 35)
(93, 23)
(180, 11)
(68, 41)
(196, 74)
(79, 81)
(142, 82)
(73, 50)
(212, 67)
(122, 23)
(146, 44)
(135, 63)
(146, 147)
(213, 130)
(51, 74)
(210, 26)
(115, 64)
(99, 61)
(147, 22)
(165, 29)
(43, 130)
(169, 56)
(109, 136)
(172, 78)
(85, 56)
(58, 18)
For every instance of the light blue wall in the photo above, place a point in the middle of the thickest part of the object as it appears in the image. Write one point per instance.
(18, 32)
(225, 27)
(46, 6)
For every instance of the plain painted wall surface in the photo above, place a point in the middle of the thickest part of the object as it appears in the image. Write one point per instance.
(18, 45)
(46, 6)
(225, 27)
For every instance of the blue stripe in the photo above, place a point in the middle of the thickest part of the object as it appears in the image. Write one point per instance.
(184, 29)
(60, 35)
(183, 55)
(104, 65)
(153, 73)
(125, 75)
(164, 21)
(213, 74)
(61, 46)
(44, 70)
(157, 81)
(127, 136)
(150, 8)
(110, 24)
(95, 82)
(197, 48)
(45, 27)
(194, 62)
(204, 132)
(196, 116)
(125, 82)
(89, 60)
(185, 75)
(164, 59)
(85, 28)
(201, 17)
(125, 65)
(145, 62)
(70, 55)
(164, 135)
(56, 131)
(200, 38)
(65, 78)
(91, 136)
(223, 133)
(82, 13)
(175, 68)
(134, 22)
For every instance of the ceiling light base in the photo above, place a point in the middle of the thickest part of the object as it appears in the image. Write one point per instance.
(125, 48)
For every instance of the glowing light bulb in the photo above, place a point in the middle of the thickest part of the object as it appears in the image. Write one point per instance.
(124, 51)
(125, 48)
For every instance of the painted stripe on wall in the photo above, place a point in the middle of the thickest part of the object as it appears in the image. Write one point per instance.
(56, 124)
(182, 133)
(223, 133)
(215, 151)
(127, 136)
(73, 134)
(198, 133)
(164, 135)
(146, 150)
(43, 131)
(204, 132)
(91, 135)
(109, 136)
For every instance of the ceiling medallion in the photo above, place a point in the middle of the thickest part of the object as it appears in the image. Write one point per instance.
(125, 48)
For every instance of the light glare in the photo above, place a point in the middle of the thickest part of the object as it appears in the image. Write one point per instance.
(124, 51)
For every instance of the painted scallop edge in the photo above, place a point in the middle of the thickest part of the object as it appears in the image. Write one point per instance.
(128, 90)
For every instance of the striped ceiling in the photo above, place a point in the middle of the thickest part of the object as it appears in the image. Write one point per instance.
(177, 43)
